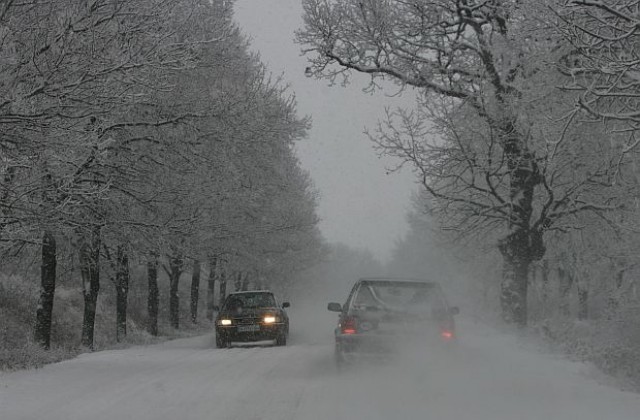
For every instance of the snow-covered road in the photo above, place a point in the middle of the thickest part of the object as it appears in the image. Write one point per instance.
(490, 377)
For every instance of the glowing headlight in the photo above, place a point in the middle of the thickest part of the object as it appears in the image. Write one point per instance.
(225, 322)
(269, 319)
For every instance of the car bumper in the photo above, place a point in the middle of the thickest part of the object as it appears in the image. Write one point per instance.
(261, 333)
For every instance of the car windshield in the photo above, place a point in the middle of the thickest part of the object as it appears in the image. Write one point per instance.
(420, 298)
(249, 300)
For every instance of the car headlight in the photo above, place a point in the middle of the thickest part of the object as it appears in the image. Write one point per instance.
(269, 319)
(225, 322)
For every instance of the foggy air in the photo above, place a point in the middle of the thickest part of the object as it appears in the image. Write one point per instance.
(319, 209)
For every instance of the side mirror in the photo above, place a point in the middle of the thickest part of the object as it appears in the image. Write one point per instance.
(285, 304)
(334, 307)
(454, 310)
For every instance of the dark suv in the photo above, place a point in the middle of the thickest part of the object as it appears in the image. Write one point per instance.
(252, 316)
(382, 313)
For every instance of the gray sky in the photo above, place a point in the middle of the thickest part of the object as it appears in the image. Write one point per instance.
(360, 205)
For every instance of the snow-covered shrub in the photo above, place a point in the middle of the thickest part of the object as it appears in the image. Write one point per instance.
(612, 345)
(18, 300)
(18, 303)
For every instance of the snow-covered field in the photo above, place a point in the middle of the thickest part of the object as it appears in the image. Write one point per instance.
(489, 377)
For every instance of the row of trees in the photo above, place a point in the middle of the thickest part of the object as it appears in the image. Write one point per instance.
(524, 135)
(144, 132)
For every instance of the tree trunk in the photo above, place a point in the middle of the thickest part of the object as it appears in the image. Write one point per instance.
(237, 281)
(245, 282)
(211, 283)
(9, 176)
(223, 287)
(545, 288)
(153, 298)
(47, 290)
(90, 271)
(615, 292)
(176, 265)
(122, 293)
(583, 297)
(565, 281)
(523, 245)
(513, 296)
(583, 306)
(195, 291)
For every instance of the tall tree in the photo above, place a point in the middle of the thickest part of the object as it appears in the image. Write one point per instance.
(445, 49)
(90, 271)
(195, 291)
(47, 290)
(153, 296)
(474, 141)
(211, 282)
(122, 291)
(174, 271)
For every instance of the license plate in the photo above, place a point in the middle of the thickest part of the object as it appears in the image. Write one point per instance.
(248, 328)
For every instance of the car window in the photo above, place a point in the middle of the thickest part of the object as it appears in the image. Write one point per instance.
(249, 300)
(364, 298)
(418, 298)
(232, 304)
(351, 295)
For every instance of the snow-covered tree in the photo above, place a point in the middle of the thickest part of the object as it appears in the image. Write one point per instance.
(602, 60)
(484, 139)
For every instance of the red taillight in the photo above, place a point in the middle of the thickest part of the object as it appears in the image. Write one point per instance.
(446, 335)
(348, 325)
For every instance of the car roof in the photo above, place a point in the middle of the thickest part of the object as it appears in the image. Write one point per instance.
(398, 280)
(250, 291)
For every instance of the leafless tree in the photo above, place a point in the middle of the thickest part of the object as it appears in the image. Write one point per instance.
(479, 140)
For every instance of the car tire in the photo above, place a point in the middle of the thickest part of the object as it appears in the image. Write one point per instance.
(221, 343)
(281, 339)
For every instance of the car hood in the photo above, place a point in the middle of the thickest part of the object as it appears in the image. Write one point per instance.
(249, 313)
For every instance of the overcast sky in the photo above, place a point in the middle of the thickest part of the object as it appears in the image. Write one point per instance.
(360, 204)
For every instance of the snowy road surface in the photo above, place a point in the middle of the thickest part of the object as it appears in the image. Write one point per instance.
(489, 377)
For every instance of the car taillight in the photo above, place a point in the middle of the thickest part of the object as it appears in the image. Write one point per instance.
(446, 335)
(348, 325)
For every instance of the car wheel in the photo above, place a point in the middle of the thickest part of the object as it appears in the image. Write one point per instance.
(221, 343)
(281, 339)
